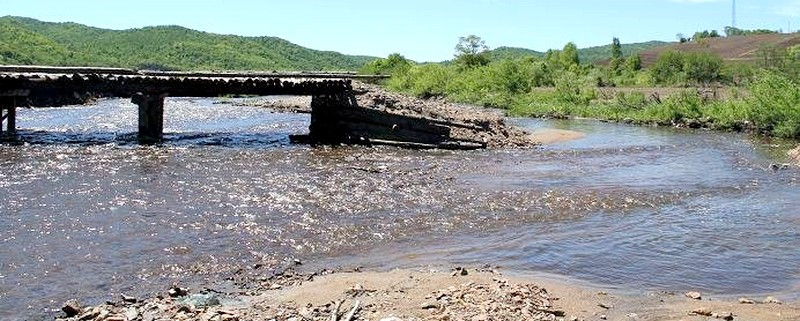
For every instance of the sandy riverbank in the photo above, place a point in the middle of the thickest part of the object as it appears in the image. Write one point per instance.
(794, 155)
(469, 294)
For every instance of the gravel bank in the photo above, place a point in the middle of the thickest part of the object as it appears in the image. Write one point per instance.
(402, 295)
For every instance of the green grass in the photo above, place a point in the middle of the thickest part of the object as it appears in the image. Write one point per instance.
(772, 108)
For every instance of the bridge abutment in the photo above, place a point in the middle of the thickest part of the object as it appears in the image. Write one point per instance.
(151, 117)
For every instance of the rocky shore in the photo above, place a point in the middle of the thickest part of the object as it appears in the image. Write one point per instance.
(794, 156)
(482, 294)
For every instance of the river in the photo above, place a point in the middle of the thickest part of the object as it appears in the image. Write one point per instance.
(88, 213)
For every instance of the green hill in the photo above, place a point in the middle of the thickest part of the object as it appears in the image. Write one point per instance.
(28, 41)
(587, 55)
(602, 53)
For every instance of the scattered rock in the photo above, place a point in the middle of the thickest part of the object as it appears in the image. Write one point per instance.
(727, 316)
(72, 308)
(693, 295)
(460, 271)
(177, 291)
(391, 319)
(605, 305)
(746, 301)
(89, 315)
(603, 317)
(771, 300)
(702, 311)
(430, 305)
(778, 167)
(129, 299)
(131, 313)
(275, 286)
(481, 317)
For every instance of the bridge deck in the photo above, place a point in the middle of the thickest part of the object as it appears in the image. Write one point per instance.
(335, 117)
(53, 70)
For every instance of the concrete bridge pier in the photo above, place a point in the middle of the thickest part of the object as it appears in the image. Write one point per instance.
(8, 116)
(151, 117)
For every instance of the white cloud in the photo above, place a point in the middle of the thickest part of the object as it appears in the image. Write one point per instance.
(789, 9)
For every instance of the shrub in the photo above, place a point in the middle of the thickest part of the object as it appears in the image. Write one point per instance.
(702, 68)
(774, 105)
(668, 69)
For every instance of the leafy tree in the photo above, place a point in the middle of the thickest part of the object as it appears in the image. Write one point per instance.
(471, 51)
(705, 34)
(569, 56)
(393, 64)
(634, 63)
(731, 32)
(668, 69)
(616, 56)
(616, 49)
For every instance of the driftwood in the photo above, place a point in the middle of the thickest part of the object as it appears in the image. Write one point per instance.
(353, 311)
(335, 312)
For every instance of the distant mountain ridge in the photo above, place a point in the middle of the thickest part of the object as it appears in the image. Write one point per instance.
(29, 41)
(587, 55)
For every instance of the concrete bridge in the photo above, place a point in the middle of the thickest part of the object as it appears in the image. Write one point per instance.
(44, 86)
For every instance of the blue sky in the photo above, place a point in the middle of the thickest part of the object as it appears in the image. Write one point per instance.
(424, 30)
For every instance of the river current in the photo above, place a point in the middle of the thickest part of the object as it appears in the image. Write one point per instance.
(88, 213)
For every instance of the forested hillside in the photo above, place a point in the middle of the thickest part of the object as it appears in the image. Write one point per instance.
(28, 41)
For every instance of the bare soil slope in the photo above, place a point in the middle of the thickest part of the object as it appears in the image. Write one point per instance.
(739, 48)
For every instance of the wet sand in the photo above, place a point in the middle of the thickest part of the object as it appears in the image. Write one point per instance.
(551, 136)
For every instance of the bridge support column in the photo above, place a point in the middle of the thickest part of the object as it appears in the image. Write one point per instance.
(151, 117)
(326, 120)
(8, 116)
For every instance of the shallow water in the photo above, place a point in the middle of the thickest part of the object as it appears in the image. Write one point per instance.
(88, 213)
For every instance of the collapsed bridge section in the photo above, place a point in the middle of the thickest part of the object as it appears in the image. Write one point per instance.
(336, 116)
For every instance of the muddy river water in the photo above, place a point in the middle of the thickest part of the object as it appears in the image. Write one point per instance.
(88, 213)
